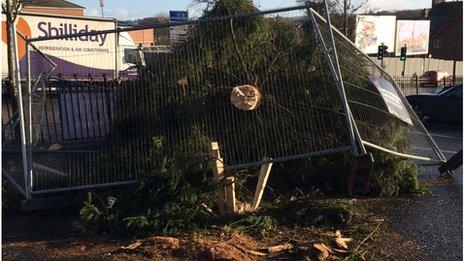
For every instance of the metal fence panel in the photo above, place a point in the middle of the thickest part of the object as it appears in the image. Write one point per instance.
(259, 84)
(256, 83)
(374, 115)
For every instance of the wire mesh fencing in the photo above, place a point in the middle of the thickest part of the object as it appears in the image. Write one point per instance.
(382, 114)
(259, 84)
(256, 83)
(19, 135)
(9, 107)
(12, 167)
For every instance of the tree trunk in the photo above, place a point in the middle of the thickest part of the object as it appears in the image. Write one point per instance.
(10, 9)
(345, 17)
(10, 43)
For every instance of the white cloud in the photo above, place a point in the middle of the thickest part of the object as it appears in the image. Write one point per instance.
(121, 13)
(390, 5)
(92, 12)
(162, 14)
(276, 3)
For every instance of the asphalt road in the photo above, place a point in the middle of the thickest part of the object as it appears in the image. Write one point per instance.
(449, 138)
(434, 220)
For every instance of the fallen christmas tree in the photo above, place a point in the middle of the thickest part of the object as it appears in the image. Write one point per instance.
(261, 87)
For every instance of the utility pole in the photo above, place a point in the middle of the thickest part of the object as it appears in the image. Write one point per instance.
(456, 46)
(403, 58)
(345, 17)
(381, 52)
(102, 4)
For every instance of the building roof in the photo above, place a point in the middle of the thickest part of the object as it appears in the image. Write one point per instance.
(55, 3)
(413, 14)
(445, 16)
(447, 8)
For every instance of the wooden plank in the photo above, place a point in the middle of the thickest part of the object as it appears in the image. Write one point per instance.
(262, 180)
(215, 146)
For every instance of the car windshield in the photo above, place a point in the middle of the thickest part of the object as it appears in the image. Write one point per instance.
(453, 91)
(441, 89)
(132, 55)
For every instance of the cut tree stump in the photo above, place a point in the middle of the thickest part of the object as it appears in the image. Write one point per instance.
(226, 194)
(227, 203)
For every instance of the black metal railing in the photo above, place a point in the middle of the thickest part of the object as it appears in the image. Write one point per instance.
(416, 85)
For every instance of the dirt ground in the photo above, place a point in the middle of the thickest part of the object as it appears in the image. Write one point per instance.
(59, 236)
(47, 239)
(400, 228)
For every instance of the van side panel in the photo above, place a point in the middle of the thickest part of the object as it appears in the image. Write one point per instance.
(78, 56)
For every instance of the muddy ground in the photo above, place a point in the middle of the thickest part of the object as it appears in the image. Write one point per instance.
(422, 227)
(419, 227)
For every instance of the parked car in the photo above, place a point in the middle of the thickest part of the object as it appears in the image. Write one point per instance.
(445, 105)
(435, 78)
(442, 89)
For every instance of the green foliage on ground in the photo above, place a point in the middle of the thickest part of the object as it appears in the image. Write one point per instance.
(180, 209)
(173, 197)
(392, 175)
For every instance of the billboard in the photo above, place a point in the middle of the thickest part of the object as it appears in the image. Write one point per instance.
(414, 34)
(178, 33)
(373, 30)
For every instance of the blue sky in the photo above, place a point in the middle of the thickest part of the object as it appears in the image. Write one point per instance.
(133, 9)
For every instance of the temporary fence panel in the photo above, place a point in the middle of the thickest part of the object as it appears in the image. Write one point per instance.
(260, 84)
(16, 164)
(8, 111)
(257, 83)
(381, 112)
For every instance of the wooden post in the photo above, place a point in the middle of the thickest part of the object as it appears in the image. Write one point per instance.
(226, 195)
(230, 195)
(262, 180)
(351, 177)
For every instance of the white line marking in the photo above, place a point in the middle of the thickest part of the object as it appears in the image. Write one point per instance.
(445, 151)
(445, 136)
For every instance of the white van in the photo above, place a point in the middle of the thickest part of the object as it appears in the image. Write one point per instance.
(112, 55)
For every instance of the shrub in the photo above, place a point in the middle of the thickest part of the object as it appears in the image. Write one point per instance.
(174, 197)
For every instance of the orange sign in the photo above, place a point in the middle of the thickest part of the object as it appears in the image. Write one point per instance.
(23, 28)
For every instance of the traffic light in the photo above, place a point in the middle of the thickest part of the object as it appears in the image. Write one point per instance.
(380, 52)
(403, 54)
(385, 52)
